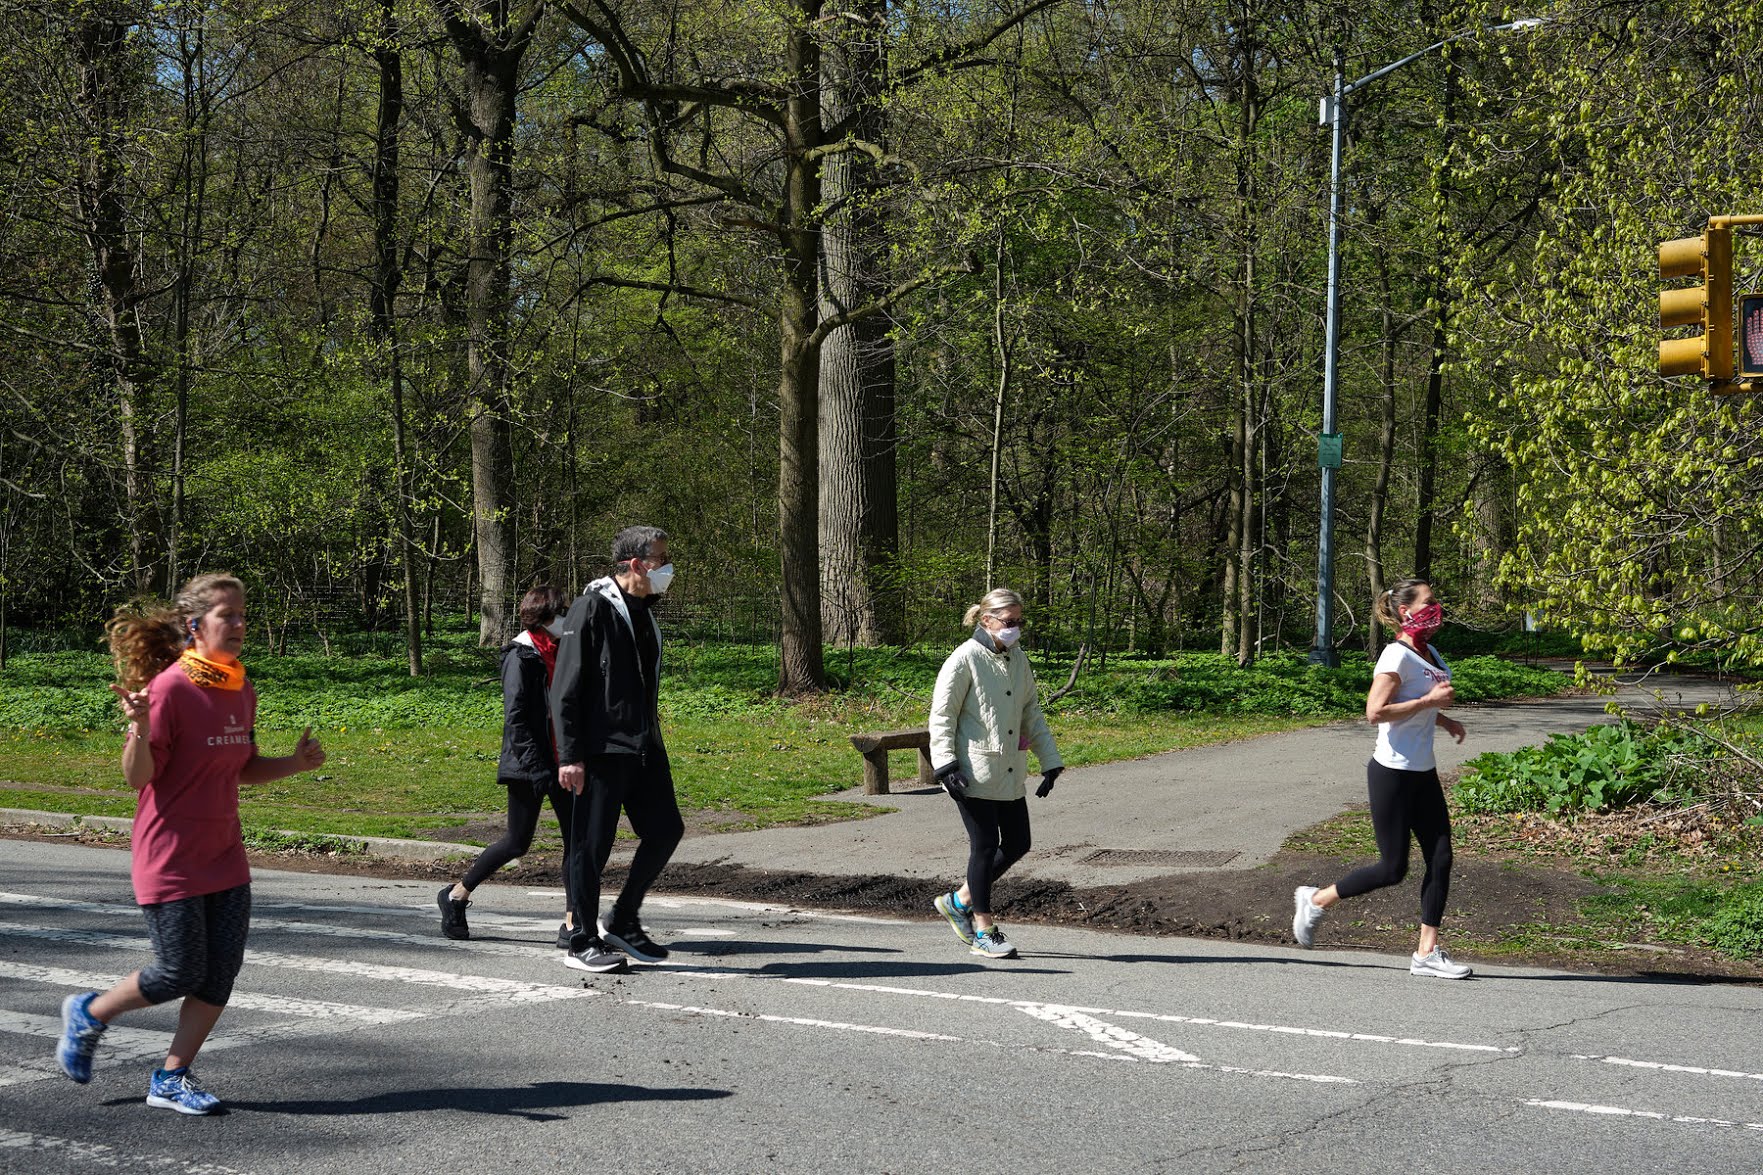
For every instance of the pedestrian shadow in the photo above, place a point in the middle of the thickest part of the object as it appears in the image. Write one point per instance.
(1213, 960)
(534, 1103)
(715, 948)
(856, 970)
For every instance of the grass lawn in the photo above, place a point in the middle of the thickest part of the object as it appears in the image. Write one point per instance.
(415, 757)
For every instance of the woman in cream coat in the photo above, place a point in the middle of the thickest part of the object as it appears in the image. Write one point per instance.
(984, 719)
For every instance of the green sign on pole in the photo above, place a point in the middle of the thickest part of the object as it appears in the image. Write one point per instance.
(1328, 450)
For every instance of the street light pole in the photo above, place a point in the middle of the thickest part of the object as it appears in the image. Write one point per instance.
(1334, 113)
(1323, 651)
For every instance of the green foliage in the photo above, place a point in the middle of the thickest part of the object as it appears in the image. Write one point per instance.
(1736, 928)
(1286, 683)
(1610, 766)
(269, 840)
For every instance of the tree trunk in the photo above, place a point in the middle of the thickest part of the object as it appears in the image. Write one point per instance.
(801, 668)
(388, 273)
(859, 490)
(490, 45)
(1248, 382)
(108, 81)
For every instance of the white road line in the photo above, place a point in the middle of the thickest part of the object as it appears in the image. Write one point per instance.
(1651, 1115)
(1004, 1001)
(803, 1021)
(1663, 1067)
(281, 1005)
(720, 1013)
(100, 1155)
(516, 950)
(516, 990)
(1130, 1043)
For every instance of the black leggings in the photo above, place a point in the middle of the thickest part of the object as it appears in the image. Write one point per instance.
(524, 802)
(645, 793)
(997, 838)
(198, 946)
(1404, 803)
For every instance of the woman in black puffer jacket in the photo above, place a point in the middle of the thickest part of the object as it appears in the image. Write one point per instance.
(528, 766)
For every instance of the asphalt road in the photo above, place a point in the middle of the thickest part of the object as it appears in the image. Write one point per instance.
(807, 1040)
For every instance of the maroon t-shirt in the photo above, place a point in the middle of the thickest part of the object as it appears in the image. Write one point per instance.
(187, 841)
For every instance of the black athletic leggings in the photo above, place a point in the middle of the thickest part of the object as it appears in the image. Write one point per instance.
(645, 793)
(524, 802)
(1404, 803)
(997, 838)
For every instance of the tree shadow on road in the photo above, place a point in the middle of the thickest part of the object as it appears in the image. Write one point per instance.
(530, 1102)
(864, 970)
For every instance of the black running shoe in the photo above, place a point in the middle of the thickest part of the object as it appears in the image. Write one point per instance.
(596, 957)
(452, 914)
(564, 934)
(634, 941)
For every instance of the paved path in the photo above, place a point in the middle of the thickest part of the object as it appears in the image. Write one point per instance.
(1234, 805)
(360, 1042)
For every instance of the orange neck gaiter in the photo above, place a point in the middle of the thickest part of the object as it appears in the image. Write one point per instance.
(212, 674)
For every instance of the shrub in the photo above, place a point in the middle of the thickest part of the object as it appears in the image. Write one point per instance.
(1610, 766)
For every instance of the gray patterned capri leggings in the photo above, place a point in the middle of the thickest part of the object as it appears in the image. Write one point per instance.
(198, 946)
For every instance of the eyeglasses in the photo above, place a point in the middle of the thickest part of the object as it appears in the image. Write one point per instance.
(1009, 621)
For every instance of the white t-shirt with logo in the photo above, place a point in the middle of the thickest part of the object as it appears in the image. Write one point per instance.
(1406, 744)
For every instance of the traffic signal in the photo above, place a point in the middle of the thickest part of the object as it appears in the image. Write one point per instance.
(1751, 335)
(1708, 305)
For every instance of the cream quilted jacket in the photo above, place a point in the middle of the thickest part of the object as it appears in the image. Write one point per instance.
(986, 714)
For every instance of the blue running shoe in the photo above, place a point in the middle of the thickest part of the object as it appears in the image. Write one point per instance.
(79, 1036)
(176, 1089)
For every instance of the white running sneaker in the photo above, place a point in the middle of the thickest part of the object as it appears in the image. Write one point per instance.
(1438, 965)
(1306, 915)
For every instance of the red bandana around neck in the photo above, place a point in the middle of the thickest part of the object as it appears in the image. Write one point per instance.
(547, 646)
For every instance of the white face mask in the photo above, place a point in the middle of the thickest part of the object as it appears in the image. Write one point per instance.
(661, 578)
(555, 628)
(1007, 636)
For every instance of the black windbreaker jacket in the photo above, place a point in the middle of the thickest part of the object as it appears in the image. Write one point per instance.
(526, 718)
(603, 699)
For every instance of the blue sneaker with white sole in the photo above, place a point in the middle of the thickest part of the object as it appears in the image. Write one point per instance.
(80, 1032)
(176, 1089)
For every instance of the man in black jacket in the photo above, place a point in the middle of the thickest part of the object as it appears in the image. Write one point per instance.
(609, 747)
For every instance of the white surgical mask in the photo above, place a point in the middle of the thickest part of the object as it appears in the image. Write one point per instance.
(1008, 636)
(661, 578)
(555, 628)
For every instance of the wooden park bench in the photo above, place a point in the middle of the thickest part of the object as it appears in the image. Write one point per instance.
(874, 748)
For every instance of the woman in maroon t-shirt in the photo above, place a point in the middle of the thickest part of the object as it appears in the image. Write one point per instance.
(191, 742)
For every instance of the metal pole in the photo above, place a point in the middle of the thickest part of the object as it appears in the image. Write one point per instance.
(1335, 111)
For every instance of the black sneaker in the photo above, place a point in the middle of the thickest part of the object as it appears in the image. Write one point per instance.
(634, 941)
(564, 933)
(452, 914)
(596, 957)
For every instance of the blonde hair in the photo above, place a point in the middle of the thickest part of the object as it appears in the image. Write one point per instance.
(1403, 594)
(146, 635)
(995, 600)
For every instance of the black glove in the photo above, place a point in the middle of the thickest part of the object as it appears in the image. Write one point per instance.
(952, 778)
(1048, 778)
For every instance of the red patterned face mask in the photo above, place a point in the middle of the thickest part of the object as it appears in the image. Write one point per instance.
(1423, 622)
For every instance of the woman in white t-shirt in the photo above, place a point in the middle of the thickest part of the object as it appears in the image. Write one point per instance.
(1410, 691)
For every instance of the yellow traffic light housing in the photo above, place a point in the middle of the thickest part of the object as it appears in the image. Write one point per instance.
(1708, 305)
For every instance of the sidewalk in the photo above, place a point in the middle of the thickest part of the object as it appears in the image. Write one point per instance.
(1229, 806)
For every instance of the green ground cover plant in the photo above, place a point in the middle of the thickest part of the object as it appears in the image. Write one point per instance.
(1609, 766)
(416, 757)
